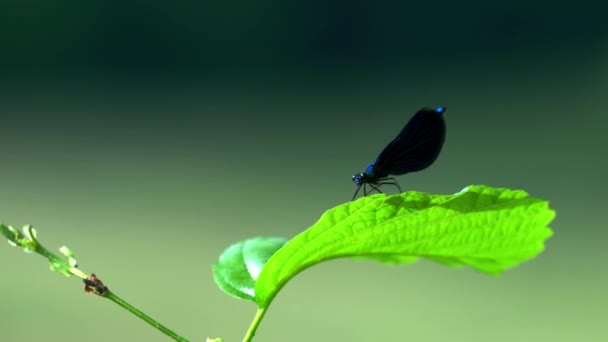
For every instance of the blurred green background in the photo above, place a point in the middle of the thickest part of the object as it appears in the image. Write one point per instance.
(148, 136)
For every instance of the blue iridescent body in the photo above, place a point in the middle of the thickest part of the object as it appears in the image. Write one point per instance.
(415, 148)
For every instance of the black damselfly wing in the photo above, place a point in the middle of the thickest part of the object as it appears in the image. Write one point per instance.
(415, 148)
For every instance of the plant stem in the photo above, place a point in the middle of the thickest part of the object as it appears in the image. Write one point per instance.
(254, 324)
(111, 296)
(59, 261)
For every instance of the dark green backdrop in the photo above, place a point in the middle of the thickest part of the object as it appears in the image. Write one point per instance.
(148, 136)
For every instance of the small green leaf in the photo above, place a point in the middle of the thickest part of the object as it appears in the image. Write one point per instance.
(30, 244)
(70, 255)
(241, 263)
(26, 240)
(12, 235)
(488, 229)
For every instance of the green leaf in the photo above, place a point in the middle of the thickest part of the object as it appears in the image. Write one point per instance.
(240, 264)
(488, 229)
(12, 235)
(26, 240)
(67, 252)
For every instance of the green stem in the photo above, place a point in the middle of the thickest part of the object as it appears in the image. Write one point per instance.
(28, 241)
(111, 296)
(254, 324)
(59, 261)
